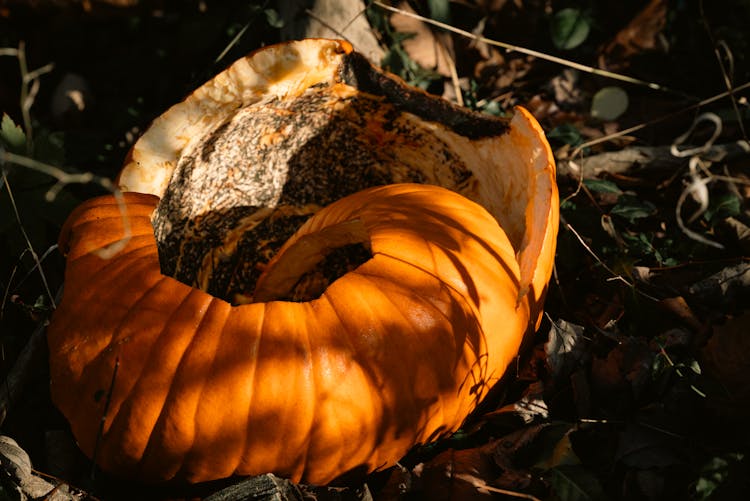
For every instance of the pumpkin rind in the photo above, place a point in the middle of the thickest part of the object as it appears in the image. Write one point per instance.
(393, 353)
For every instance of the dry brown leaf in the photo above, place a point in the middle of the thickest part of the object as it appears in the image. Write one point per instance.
(458, 474)
(642, 447)
(425, 47)
(726, 359)
(565, 348)
(530, 407)
(642, 34)
(739, 231)
(626, 367)
(726, 286)
(679, 308)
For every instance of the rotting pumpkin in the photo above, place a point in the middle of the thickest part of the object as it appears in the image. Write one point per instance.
(256, 358)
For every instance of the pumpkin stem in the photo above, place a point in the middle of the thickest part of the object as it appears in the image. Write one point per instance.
(294, 274)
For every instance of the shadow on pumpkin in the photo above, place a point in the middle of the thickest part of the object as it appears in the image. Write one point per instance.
(295, 155)
(390, 373)
(288, 352)
(321, 387)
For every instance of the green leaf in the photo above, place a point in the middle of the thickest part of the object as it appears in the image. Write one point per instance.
(602, 186)
(562, 454)
(566, 134)
(631, 208)
(492, 108)
(12, 135)
(574, 483)
(723, 206)
(273, 18)
(49, 147)
(716, 472)
(569, 28)
(440, 10)
(609, 103)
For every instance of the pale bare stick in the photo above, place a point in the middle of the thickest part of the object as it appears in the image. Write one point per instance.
(529, 52)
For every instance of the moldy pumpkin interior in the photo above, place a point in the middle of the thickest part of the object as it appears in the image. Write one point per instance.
(240, 189)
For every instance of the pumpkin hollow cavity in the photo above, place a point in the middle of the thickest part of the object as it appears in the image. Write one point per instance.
(306, 266)
(245, 187)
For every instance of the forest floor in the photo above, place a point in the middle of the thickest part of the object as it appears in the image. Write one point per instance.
(636, 385)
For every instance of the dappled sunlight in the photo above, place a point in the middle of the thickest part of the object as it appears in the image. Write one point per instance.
(215, 344)
(392, 354)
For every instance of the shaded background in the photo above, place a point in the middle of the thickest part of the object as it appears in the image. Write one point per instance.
(640, 346)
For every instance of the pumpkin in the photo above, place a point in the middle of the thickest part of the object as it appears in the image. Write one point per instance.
(322, 267)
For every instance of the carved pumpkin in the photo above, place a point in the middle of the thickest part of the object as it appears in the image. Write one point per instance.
(271, 311)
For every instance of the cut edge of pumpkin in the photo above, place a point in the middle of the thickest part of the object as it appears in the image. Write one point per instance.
(536, 253)
(303, 254)
(289, 68)
(279, 70)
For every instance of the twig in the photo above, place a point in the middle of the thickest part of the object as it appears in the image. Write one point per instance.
(638, 127)
(646, 159)
(442, 47)
(24, 366)
(232, 43)
(64, 178)
(727, 74)
(698, 189)
(530, 52)
(29, 245)
(29, 90)
(615, 276)
(679, 373)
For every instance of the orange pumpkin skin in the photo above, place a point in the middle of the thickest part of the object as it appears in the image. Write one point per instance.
(394, 353)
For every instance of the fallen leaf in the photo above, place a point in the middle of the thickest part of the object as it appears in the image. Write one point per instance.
(530, 407)
(574, 483)
(725, 358)
(680, 309)
(566, 89)
(642, 34)
(739, 231)
(458, 474)
(725, 286)
(620, 377)
(424, 47)
(562, 454)
(609, 103)
(642, 448)
(565, 347)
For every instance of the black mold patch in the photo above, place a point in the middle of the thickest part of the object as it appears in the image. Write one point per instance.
(358, 72)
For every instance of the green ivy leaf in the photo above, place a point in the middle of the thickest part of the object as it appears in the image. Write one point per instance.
(12, 135)
(602, 186)
(574, 483)
(632, 208)
(569, 28)
(49, 147)
(273, 18)
(565, 134)
(440, 10)
(723, 206)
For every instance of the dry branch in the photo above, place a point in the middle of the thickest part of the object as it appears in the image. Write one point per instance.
(640, 159)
